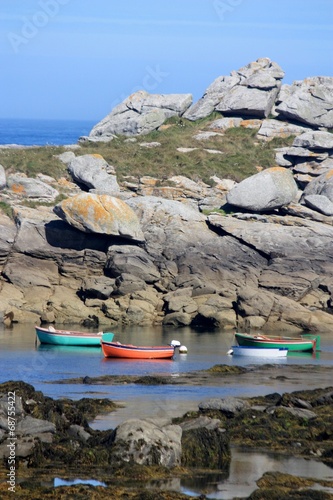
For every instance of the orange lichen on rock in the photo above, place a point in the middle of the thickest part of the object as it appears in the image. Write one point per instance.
(276, 169)
(101, 214)
(329, 174)
(18, 189)
(96, 155)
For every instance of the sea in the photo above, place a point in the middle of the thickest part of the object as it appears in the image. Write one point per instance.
(26, 132)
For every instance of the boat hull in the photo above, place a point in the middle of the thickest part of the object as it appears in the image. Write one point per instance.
(68, 337)
(126, 351)
(263, 341)
(260, 352)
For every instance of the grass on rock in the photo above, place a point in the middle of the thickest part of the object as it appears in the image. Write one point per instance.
(242, 154)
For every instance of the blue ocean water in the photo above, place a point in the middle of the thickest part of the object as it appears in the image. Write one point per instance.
(27, 132)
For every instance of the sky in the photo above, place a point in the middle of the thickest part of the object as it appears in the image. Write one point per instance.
(77, 59)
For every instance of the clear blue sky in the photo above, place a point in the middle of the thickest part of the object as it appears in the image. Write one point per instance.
(76, 59)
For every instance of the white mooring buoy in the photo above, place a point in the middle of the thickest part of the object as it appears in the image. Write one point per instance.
(183, 349)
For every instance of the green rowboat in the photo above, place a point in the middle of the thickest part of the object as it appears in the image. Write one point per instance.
(304, 343)
(69, 338)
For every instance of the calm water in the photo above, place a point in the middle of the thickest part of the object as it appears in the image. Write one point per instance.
(247, 464)
(43, 132)
(252, 465)
(22, 358)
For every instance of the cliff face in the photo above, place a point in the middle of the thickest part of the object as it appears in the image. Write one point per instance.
(152, 256)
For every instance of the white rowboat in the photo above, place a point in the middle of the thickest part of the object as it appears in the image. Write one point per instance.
(261, 352)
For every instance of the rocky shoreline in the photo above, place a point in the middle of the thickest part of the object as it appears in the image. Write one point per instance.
(252, 255)
(103, 250)
(53, 439)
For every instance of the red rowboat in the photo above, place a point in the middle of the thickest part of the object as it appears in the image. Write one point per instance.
(129, 351)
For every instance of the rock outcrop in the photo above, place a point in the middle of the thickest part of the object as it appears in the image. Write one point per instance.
(308, 101)
(141, 252)
(139, 114)
(254, 90)
(251, 91)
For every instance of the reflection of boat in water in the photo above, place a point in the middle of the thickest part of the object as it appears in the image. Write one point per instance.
(69, 348)
(304, 354)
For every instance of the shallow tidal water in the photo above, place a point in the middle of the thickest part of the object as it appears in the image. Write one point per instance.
(247, 466)
(23, 358)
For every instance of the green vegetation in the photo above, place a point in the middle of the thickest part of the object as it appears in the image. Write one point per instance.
(33, 161)
(6, 209)
(242, 154)
(34, 203)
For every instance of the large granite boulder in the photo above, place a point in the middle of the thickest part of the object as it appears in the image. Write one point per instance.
(321, 185)
(269, 189)
(251, 90)
(101, 214)
(147, 442)
(93, 172)
(140, 113)
(30, 188)
(309, 101)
